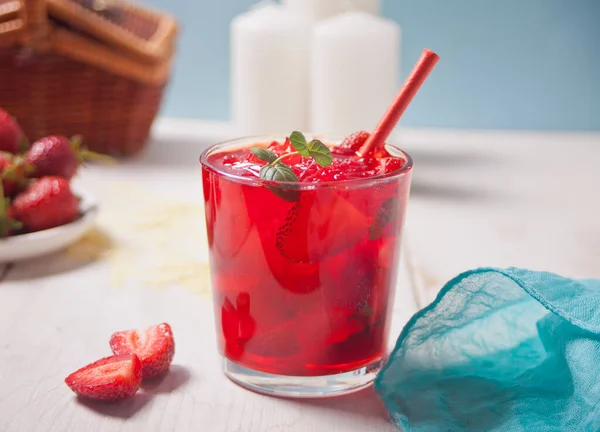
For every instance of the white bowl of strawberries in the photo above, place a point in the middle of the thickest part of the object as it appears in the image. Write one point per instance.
(39, 211)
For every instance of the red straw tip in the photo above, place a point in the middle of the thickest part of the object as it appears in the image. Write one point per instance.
(409, 89)
(427, 52)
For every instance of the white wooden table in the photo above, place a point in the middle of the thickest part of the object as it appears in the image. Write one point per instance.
(478, 199)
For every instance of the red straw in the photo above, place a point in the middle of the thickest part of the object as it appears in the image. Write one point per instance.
(406, 94)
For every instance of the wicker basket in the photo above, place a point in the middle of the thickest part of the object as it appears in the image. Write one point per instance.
(66, 68)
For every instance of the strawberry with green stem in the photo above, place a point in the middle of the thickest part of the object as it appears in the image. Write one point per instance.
(56, 155)
(47, 202)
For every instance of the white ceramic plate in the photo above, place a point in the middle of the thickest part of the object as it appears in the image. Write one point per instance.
(40, 243)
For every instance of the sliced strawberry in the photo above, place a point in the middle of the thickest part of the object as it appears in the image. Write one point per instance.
(154, 346)
(280, 148)
(230, 159)
(109, 379)
(351, 144)
(230, 226)
(320, 224)
(390, 164)
(349, 278)
(386, 219)
(237, 325)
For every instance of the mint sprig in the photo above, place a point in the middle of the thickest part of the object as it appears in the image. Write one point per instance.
(276, 170)
(314, 149)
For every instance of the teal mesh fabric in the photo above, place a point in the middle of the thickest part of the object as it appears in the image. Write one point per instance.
(499, 350)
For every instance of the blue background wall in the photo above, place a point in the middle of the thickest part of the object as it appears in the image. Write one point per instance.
(524, 64)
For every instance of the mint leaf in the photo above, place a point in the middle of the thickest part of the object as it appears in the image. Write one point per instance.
(263, 154)
(320, 153)
(278, 172)
(299, 143)
(289, 195)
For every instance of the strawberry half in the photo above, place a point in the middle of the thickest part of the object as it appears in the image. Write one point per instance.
(230, 226)
(351, 144)
(320, 224)
(237, 324)
(154, 346)
(109, 379)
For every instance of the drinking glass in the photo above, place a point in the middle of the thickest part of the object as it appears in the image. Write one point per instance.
(303, 274)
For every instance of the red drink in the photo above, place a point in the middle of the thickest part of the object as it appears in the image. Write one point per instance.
(304, 273)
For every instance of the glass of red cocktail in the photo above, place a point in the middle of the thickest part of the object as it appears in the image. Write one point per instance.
(304, 271)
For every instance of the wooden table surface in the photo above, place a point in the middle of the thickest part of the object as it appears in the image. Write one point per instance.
(479, 199)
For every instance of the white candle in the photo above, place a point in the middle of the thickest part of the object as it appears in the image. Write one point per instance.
(323, 9)
(355, 72)
(270, 51)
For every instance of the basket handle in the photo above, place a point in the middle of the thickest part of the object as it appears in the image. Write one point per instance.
(37, 26)
(12, 27)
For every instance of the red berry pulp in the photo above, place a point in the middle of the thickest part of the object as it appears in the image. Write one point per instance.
(303, 285)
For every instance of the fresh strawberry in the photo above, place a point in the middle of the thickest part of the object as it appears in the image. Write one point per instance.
(280, 148)
(46, 203)
(11, 134)
(154, 346)
(109, 379)
(351, 144)
(53, 156)
(319, 225)
(58, 156)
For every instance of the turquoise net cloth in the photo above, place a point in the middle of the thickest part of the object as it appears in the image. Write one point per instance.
(499, 350)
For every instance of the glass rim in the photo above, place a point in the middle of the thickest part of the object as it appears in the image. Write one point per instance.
(406, 167)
